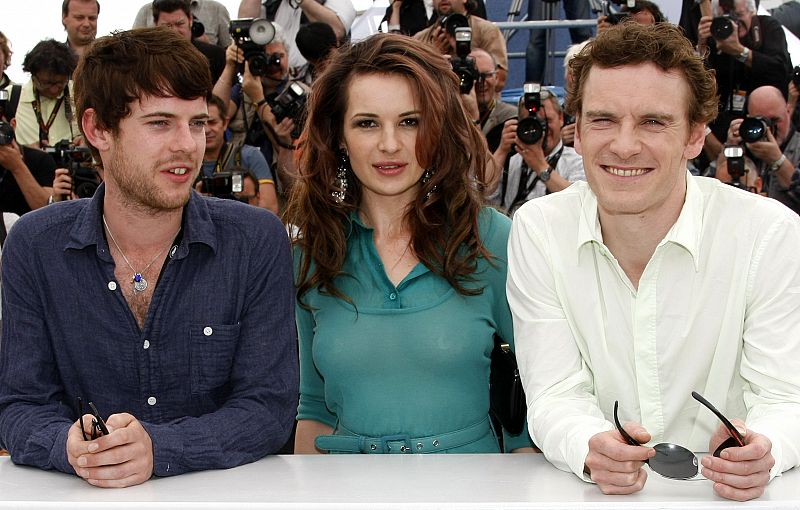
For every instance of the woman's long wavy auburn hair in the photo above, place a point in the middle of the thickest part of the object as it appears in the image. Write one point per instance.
(443, 219)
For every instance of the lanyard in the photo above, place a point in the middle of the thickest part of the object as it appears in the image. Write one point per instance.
(225, 155)
(44, 128)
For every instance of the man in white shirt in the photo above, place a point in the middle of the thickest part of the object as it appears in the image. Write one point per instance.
(647, 283)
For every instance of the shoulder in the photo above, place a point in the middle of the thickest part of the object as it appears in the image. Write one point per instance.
(723, 203)
(562, 208)
(494, 228)
(231, 218)
(505, 111)
(50, 225)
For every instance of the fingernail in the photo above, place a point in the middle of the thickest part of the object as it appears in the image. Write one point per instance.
(82, 461)
(93, 447)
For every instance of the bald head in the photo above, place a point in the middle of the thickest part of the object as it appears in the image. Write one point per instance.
(768, 101)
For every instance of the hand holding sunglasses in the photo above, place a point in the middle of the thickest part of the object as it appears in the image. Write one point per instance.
(675, 461)
(99, 427)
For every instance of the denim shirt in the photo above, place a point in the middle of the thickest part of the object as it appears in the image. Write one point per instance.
(213, 374)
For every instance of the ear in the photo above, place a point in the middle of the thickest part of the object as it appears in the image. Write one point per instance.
(697, 137)
(98, 137)
(13, 123)
(577, 142)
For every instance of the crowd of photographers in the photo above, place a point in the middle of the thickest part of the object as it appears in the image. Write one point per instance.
(264, 62)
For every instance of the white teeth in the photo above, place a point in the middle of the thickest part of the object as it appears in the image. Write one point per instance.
(178, 171)
(625, 173)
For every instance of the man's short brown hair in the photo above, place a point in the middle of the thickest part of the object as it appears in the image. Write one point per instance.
(126, 66)
(662, 44)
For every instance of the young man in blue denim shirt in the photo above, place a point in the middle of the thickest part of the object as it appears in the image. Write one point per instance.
(171, 312)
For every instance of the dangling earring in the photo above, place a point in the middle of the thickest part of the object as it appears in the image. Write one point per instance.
(340, 183)
(424, 180)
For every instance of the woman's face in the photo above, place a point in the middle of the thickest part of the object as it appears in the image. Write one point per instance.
(380, 130)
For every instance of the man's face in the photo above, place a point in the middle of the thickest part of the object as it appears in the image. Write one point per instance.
(485, 86)
(177, 21)
(49, 84)
(775, 110)
(81, 22)
(743, 17)
(554, 117)
(634, 148)
(450, 6)
(278, 48)
(215, 129)
(153, 159)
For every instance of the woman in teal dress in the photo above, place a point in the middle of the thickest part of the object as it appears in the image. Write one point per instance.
(400, 270)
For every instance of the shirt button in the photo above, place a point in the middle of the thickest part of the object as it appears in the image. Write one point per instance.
(151, 401)
(147, 344)
(112, 285)
(392, 296)
(207, 331)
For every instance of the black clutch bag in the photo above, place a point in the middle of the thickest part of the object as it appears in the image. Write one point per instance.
(506, 396)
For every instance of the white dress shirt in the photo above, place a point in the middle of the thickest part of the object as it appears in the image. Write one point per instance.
(717, 311)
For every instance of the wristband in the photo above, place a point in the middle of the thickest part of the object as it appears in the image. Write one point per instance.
(742, 57)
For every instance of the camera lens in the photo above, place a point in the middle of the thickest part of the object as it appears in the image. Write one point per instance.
(6, 133)
(258, 64)
(721, 27)
(451, 22)
(530, 130)
(753, 129)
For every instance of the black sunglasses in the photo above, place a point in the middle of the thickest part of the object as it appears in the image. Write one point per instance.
(98, 425)
(675, 461)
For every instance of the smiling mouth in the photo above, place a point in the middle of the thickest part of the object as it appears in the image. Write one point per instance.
(626, 172)
(178, 171)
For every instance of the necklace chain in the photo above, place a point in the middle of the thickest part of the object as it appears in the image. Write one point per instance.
(139, 283)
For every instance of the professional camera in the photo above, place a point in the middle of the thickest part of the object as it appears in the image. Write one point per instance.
(722, 27)
(753, 129)
(531, 129)
(223, 184)
(464, 65)
(78, 160)
(6, 133)
(452, 21)
(734, 156)
(290, 103)
(614, 17)
(796, 76)
(198, 29)
(251, 35)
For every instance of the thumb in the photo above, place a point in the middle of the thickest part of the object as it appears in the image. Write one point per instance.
(638, 432)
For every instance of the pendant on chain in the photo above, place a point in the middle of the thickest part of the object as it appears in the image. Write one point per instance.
(139, 283)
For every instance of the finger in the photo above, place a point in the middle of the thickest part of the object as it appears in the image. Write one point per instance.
(111, 471)
(130, 481)
(735, 494)
(628, 489)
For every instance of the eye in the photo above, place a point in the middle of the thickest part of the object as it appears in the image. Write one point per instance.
(157, 123)
(200, 123)
(366, 123)
(654, 123)
(410, 122)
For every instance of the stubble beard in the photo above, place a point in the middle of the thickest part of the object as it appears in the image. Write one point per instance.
(137, 189)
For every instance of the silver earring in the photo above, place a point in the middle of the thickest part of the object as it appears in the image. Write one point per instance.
(426, 176)
(340, 182)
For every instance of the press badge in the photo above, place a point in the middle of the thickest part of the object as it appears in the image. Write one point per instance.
(738, 99)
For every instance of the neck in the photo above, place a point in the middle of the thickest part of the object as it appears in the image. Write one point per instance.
(633, 238)
(79, 49)
(136, 229)
(386, 216)
(212, 154)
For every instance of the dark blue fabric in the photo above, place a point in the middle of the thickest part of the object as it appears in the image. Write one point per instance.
(224, 396)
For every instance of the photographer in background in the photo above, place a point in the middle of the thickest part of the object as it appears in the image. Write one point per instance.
(746, 51)
(177, 16)
(45, 113)
(79, 18)
(643, 12)
(25, 173)
(542, 163)
(209, 15)
(315, 41)
(485, 35)
(776, 153)
(291, 14)
(250, 105)
(221, 156)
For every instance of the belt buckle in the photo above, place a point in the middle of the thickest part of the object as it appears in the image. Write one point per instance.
(399, 438)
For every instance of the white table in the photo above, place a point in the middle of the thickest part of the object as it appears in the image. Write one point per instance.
(375, 481)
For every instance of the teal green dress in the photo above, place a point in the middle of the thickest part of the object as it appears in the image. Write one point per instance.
(412, 359)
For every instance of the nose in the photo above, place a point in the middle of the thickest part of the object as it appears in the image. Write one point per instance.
(388, 141)
(184, 139)
(626, 143)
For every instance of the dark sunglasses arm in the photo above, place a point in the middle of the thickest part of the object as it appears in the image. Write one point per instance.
(628, 439)
(100, 423)
(728, 425)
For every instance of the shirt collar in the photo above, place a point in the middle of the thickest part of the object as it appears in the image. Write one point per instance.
(685, 232)
(88, 227)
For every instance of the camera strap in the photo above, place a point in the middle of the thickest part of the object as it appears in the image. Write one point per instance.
(3, 231)
(44, 127)
(526, 184)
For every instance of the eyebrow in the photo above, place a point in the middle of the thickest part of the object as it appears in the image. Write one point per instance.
(602, 114)
(375, 115)
(169, 115)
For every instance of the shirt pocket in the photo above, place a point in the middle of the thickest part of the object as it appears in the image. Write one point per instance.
(212, 349)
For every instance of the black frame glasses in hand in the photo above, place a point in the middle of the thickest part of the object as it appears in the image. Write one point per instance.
(675, 461)
(98, 425)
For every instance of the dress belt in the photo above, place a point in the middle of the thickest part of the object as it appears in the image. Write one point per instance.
(347, 442)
